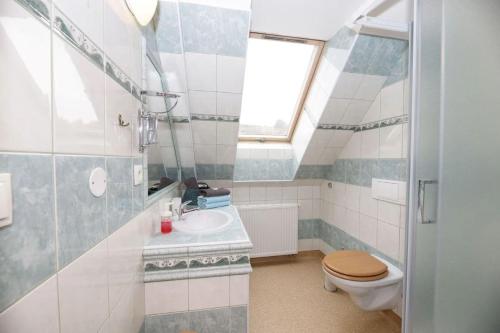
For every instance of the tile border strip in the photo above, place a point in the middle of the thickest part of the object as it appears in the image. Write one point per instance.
(73, 35)
(76, 37)
(368, 126)
(174, 264)
(213, 117)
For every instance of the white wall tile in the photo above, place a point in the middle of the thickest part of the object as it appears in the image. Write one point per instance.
(124, 259)
(347, 85)
(212, 292)
(274, 193)
(257, 193)
(368, 230)
(305, 209)
(78, 102)
(305, 192)
(122, 38)
(370, 87)
(175, 72)
(233, 4)
(352, 195)
(317, 192)
(83, 292)
(230, 74)
(356, 111)
(389, 213)
(334, 110)
(25, 83)
(205, 154)
(202, 102)
(204, 132)
(339, 217)
(183, 134)
(353, 148)
(373, 113)
(36, 312)
(368, 205)
(241, 193)
(166, 296)
(87, 15)
(227, 133)
(229, 104)
(352, 223)
(402, 244)
(226, 154)
(182, 108)
(339, 138)
(339, 193)
(370, 143)
(119, 139)
(391, 141)
(392, 100)
(290, 193)
(316, 101)
(406, 139)
(201, 71)
(239, 289)
(128, 315)
(305, 245)
(388, 239)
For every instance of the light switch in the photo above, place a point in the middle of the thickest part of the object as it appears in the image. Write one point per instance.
(5, 200)
(138, 174)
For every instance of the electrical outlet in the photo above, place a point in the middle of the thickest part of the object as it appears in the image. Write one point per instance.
(5, 200)
(138, 174)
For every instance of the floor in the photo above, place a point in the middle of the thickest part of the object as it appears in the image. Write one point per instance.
(288, 296)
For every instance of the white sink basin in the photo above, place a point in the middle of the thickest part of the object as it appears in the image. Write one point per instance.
(203, 221)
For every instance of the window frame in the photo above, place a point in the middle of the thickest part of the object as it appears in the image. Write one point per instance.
(299, 108)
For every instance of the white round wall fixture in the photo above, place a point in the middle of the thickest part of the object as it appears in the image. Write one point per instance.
(143, 10)
(97, 182)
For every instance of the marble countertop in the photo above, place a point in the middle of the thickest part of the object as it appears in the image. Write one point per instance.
(234, 235)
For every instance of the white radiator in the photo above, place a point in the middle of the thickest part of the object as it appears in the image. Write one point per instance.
(272, 228)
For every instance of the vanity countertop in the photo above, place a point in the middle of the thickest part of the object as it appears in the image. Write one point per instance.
(181, 255)
(234, 233)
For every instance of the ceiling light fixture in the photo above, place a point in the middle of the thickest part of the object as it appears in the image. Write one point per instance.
(143, 10)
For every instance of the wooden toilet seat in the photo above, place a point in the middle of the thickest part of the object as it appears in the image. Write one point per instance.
(355, 266)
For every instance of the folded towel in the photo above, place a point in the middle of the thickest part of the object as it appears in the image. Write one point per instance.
(215, 192)
(192, 192)
(215, 205)
(209, 200)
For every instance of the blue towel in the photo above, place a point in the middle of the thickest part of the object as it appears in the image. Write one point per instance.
(209, 200)
(215, 204)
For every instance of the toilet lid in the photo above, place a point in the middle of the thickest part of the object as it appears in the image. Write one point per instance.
(355, 265)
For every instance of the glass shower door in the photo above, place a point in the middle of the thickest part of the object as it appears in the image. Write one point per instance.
(453, 258)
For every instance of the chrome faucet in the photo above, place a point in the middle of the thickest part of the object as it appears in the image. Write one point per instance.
(182, 209)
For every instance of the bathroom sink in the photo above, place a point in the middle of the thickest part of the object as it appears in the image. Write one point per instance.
(203, 221)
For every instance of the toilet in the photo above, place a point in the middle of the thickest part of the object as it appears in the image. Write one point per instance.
(372, 282)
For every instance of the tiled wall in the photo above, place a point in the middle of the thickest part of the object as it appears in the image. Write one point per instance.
(376, 150)
(71, 262)
(202, 46)
(214, 304)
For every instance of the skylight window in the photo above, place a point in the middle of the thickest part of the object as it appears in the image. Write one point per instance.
(277, 76)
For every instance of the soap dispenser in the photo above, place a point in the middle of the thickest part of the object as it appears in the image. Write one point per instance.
(166, 218)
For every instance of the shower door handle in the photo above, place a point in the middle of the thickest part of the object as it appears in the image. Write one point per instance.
(422, 188)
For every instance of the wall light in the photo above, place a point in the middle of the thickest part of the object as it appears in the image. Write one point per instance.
(143, 10)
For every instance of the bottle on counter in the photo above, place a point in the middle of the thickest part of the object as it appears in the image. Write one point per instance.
(166, 218)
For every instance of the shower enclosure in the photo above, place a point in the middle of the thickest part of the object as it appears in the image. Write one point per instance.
(453, 256)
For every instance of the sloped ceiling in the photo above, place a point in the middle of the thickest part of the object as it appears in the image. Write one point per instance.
(295, 17)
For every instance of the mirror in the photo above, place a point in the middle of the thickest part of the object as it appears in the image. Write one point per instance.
(157, 135)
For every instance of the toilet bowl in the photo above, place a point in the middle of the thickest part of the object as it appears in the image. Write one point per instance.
(379, 291)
